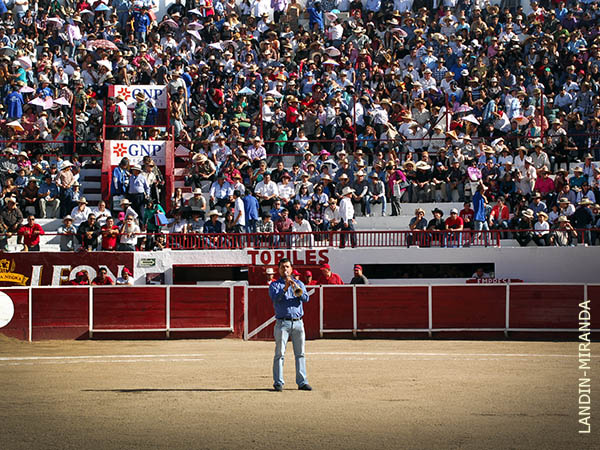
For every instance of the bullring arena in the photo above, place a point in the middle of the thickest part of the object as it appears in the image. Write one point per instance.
(211, 394)
(391, 386)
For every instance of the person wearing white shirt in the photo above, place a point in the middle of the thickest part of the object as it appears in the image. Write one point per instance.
(428, 82)
(359, 114)
(125, 279)
(542, 230)
(266, 191)
(347, 217)
(301, 225)
(286, 189)
(332, 215)
(239, 212)
(220, 193)
(129, 235)
(101, 213)
(80, 213)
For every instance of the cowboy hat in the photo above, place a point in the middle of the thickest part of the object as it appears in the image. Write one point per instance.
(528, 213)
(423, 165)
(347, 190)
(197, 191)
(585, 201)
(82, 200)
(214, 212)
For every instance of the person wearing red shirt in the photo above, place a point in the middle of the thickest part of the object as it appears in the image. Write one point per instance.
(292, 114)
(31, 235)
(500, 215)
(110, 233)
(81, 279)
(467, 214)
(309, 279)
(328, 276)
(454, 223)
(103, 279)
(545, 185)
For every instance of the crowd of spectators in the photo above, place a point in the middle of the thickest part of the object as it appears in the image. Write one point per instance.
(380, 103)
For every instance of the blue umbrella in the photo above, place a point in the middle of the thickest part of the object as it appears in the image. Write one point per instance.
(102, 7)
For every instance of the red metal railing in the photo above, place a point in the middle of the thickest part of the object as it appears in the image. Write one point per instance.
(326, 239)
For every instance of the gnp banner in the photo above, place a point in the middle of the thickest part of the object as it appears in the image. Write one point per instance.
(136, 150)
(158, 93)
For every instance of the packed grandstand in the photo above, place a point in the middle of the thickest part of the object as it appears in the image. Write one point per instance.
(291, 118)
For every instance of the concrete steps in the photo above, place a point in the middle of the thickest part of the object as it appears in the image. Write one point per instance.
(91, 185)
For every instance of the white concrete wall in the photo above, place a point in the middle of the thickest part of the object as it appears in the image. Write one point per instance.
(531, 264)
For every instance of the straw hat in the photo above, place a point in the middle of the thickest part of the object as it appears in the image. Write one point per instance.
(347, 190)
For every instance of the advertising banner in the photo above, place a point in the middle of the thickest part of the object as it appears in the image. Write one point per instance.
(157, 93)
(55, 269)
(136, 150)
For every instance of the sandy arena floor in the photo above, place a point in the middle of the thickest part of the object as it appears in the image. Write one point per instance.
(368, 394)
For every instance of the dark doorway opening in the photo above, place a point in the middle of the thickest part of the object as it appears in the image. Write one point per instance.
(195, 274)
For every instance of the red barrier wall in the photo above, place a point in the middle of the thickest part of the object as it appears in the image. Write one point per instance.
(337, 308)
(594, 298)
(63, 313)
(129, 308)
(60, 313)
(398, 307)
(200, 307)
(18, 327)
(538, 306)
(470, 306)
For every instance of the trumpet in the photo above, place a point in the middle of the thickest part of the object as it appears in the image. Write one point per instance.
(297, 289)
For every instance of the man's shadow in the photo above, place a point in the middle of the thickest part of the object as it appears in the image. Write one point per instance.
(141, 390)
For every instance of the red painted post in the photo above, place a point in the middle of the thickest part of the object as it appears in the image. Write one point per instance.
(74, 127)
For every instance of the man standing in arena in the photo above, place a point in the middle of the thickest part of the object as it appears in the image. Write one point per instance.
(288, 295)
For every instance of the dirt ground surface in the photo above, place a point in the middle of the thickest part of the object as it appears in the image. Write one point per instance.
(368, 394)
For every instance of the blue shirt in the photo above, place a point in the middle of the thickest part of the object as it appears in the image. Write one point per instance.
(479, 207)
(251, 207)
(285, 303)
(14, 104)
(141, 22)
(48, 188)
(139, 185)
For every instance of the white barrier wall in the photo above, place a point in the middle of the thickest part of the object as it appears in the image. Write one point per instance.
(531, 264)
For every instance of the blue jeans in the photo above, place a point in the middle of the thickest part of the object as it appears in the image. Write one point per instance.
(284, 329)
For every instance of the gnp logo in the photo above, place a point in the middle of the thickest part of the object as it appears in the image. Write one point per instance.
(124, 91)
(119, 149)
